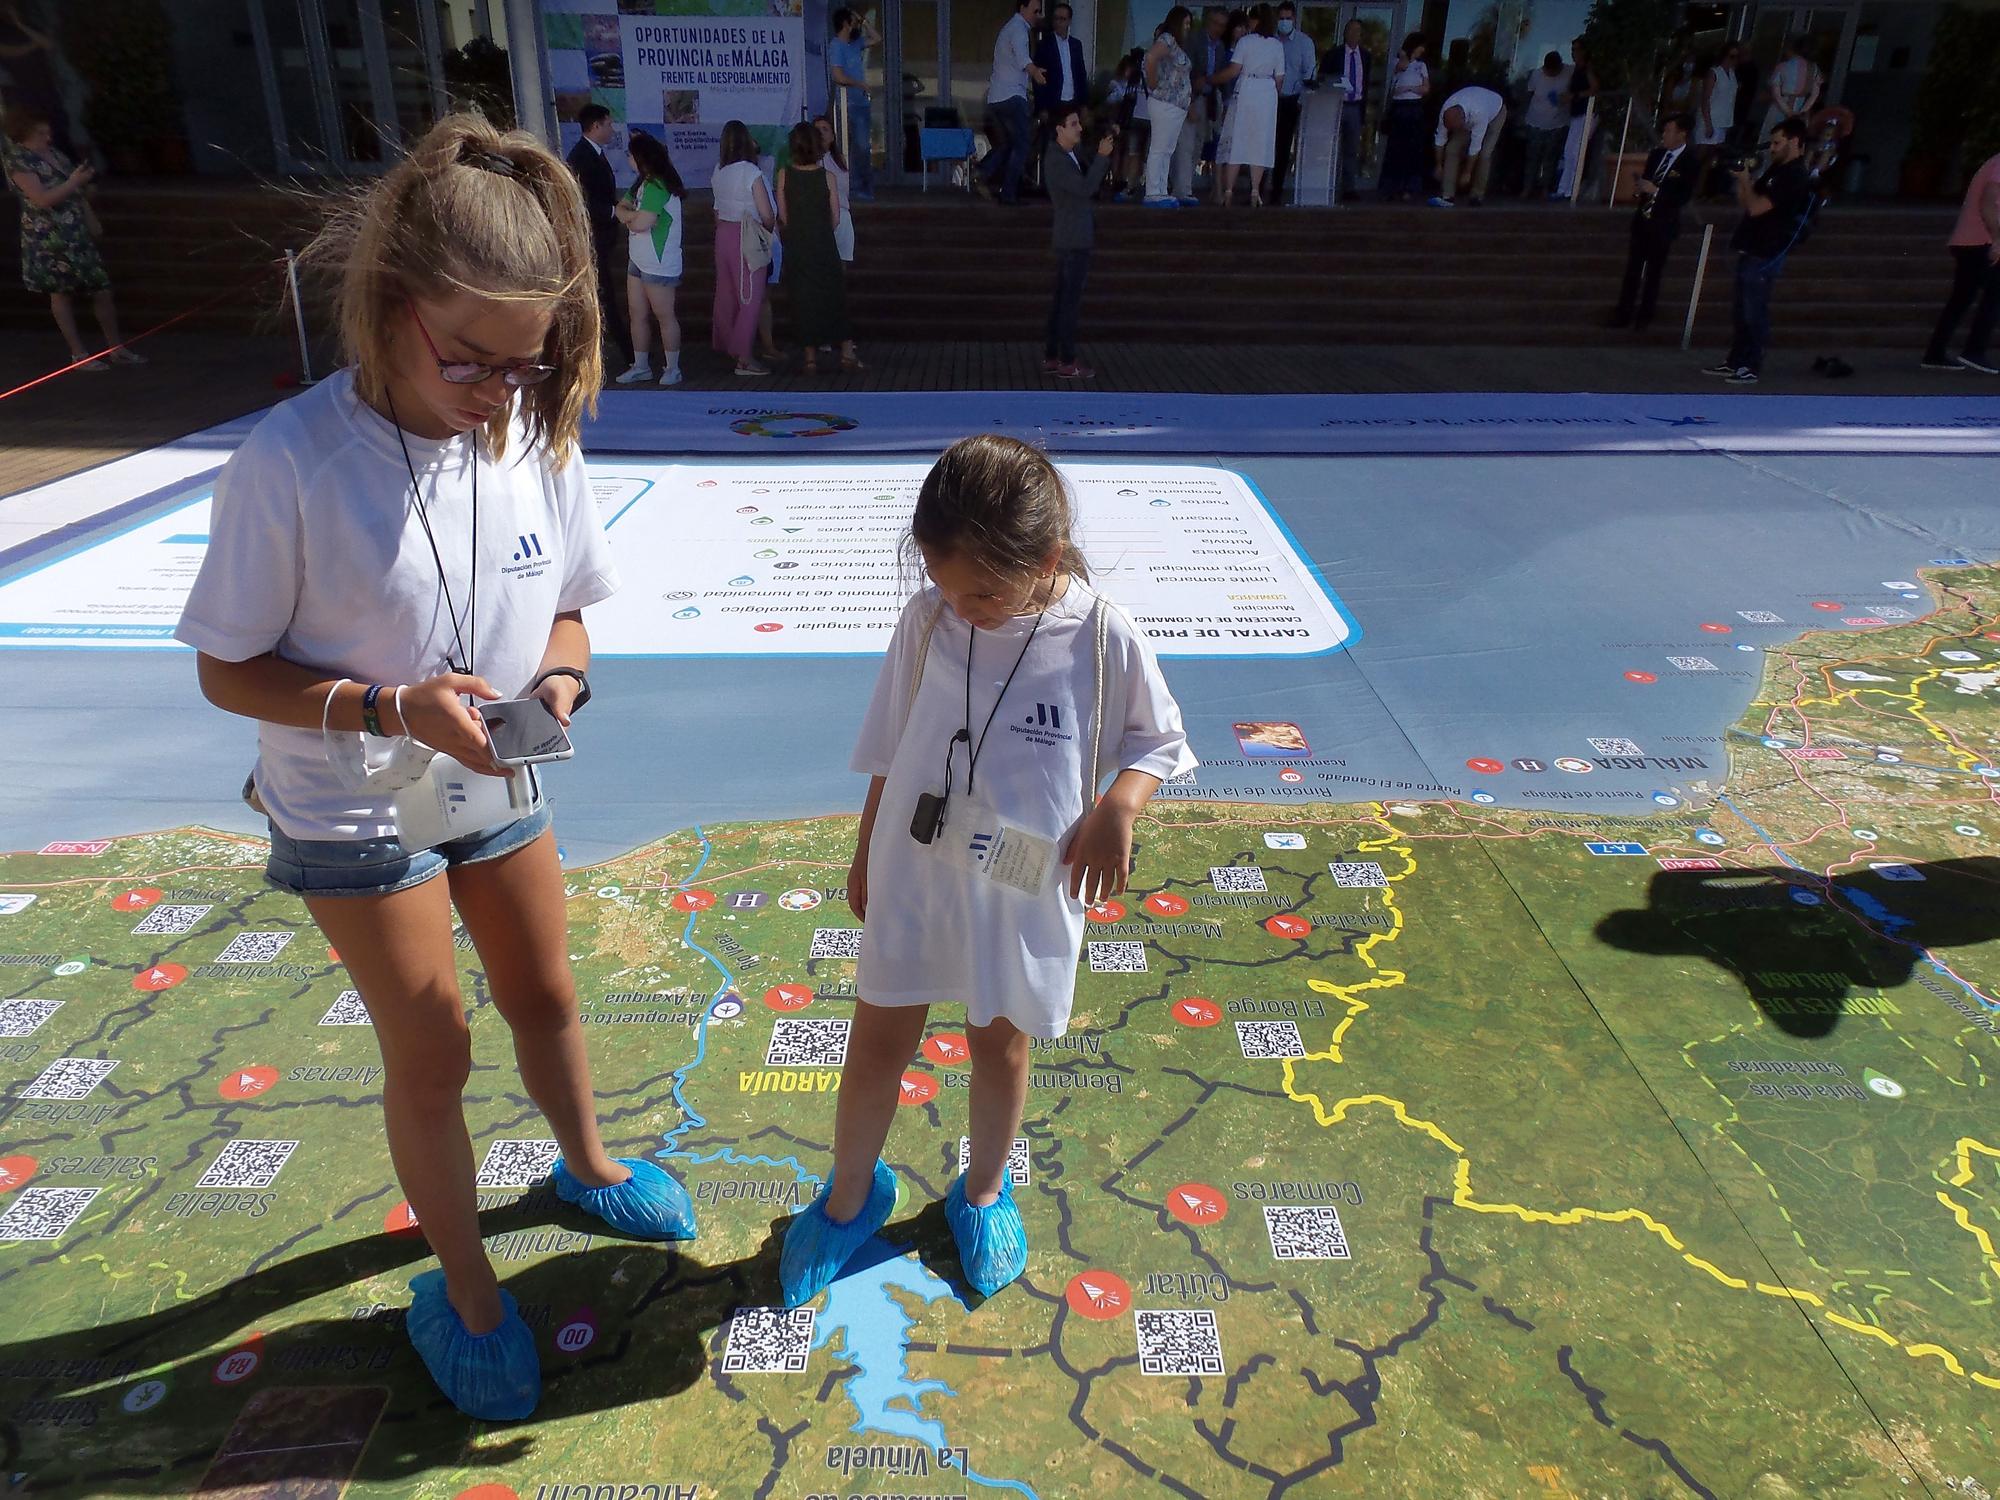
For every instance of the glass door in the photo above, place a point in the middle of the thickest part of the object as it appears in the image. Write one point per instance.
(1381, 22)
(1828, 32)
(347, 83)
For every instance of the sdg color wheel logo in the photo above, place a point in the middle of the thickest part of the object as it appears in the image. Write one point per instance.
(792, 424)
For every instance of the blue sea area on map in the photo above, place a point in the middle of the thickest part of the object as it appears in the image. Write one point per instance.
(1514, 609)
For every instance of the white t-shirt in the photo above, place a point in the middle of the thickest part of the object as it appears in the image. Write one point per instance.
(936, 932)
(1481, 107)
(735, 190)
(657, 251)
(316, 553)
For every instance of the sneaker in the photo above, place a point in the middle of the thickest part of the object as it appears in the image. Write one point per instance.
(816, 1248)
(648, 1205)
(494, 1376)
(1190, 201)
(992, 1241)
(751, 370)
(1121, 197)
(1949, 366)
(123, 356)
(1051, 366)
(671, 375)
(1724, 369)
(1075, 370)
(1744, 375)
(1441, 203)
(1984, 367)
(1163, 203)
(640, 372)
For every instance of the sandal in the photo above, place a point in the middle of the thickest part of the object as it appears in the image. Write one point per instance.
(851, 362)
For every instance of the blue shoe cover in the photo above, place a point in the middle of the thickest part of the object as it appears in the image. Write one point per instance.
(648, 1205)
(992, 1241)
(816, 1248)
(495, 1377)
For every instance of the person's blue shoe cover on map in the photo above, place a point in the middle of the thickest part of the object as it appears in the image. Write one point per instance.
(992, 1241)
(816, 1247)
(495, 1376)
(648, 1205)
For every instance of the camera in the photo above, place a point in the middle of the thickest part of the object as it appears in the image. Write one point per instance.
(1742, 161)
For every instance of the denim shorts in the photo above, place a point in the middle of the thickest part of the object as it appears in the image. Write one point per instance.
(653, 278)
(380, 867)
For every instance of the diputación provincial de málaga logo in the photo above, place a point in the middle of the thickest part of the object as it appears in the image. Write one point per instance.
(792, 424)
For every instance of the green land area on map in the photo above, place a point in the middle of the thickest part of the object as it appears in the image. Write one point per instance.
(1632, 1173)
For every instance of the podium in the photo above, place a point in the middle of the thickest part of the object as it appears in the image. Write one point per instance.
(1315, 177)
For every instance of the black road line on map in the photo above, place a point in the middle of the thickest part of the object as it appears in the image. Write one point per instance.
(834, 1377)
(280, 1248)
(1210, 1085)
(1655, 1446)
(1305, 1311)
(1084, 1380)
(1219, 1441)
(781, 1449)
(1242, 1378)
(1499, 1310)
(352, 1205)
(1715, 1186)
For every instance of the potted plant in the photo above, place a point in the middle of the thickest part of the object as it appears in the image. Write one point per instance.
(124, 51)
(1625, 41)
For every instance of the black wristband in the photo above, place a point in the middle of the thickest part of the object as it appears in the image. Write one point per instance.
(371, 718)
(582, 683)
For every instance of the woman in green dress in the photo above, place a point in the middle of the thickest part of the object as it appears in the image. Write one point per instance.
(59, 235)
(808, 208)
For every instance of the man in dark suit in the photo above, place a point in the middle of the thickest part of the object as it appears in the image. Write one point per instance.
(1065, 85)
(1347, 66)
(600, 196)
(1664, 189)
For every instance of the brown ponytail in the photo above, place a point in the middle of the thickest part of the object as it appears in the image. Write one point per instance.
(473, 209)
(998, 502)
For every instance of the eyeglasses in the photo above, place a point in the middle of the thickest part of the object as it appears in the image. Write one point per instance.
(472, 372)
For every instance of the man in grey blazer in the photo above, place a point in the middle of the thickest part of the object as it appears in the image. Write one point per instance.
(1072, 189)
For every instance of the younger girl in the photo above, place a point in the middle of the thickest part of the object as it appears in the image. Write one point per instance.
(652, 214)
(365, 578)
(1010, 687)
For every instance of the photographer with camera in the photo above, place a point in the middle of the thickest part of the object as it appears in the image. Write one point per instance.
(1775, 203)
(1072, 191)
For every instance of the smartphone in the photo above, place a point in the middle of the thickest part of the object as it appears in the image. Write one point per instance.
(525, 732)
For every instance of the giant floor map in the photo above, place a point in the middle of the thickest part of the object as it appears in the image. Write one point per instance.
(1548, 1049)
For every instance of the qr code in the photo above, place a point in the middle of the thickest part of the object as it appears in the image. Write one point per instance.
(1694, 663)
(1616, 746)
(347, 1011)
(1760, 617)
(768, 1341)
(26, 1017)
(248, 1164)
(797, 1043)
(44, 1213)
(1117, 958)
(169, 921)
(70, 1078)
(254, 947)
(1891, 612)
(1305, 1233)
(1237, 878)
(1179, 1343)
(517, 1164)
(1361, 875)
(836, 942)
(1269, 1039)
(1017, 1159)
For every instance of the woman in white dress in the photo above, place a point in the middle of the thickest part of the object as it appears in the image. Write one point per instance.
(1250, 130)
(1715, 112)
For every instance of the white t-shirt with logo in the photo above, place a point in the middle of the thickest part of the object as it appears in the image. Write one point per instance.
(937, 932)
(316, 553)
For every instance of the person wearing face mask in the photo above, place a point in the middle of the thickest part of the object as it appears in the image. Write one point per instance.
(1301, 73)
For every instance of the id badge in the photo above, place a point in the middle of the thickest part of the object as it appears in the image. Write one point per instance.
(980, 841)
(451, 802)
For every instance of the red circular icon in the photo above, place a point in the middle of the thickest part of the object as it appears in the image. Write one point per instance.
(15, 1170)
(1166, 904)
(948, 1047)
(1291, 775)
(1098, 1295)
(1197, 1203)
(1485, 765)
(487, 1492)
(247, 1083)
(240, 1363)
(333, 955)
(789, 996)
(1640, 677)
(1716, 627)
(1285, 925)
(1195, 1011)
(1829, 605)
(1106, 911)
(770, 625)
(916, 1089)
(400, 1220)
(160, 977)
(692, 900)
(137, 899)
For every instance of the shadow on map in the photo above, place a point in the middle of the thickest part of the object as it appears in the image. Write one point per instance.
(1809, 951)
(658, 1313)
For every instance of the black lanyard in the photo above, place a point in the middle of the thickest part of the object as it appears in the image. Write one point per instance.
(964, 736)
(470, 624)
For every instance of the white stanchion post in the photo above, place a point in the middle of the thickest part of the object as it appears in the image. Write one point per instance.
(1618, 167)
(1694, 296)
(299, 316)
(1582, 152)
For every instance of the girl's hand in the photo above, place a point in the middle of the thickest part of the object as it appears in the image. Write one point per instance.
(1100, 855)
(434, 715)
(560, 693)
(857, 883)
